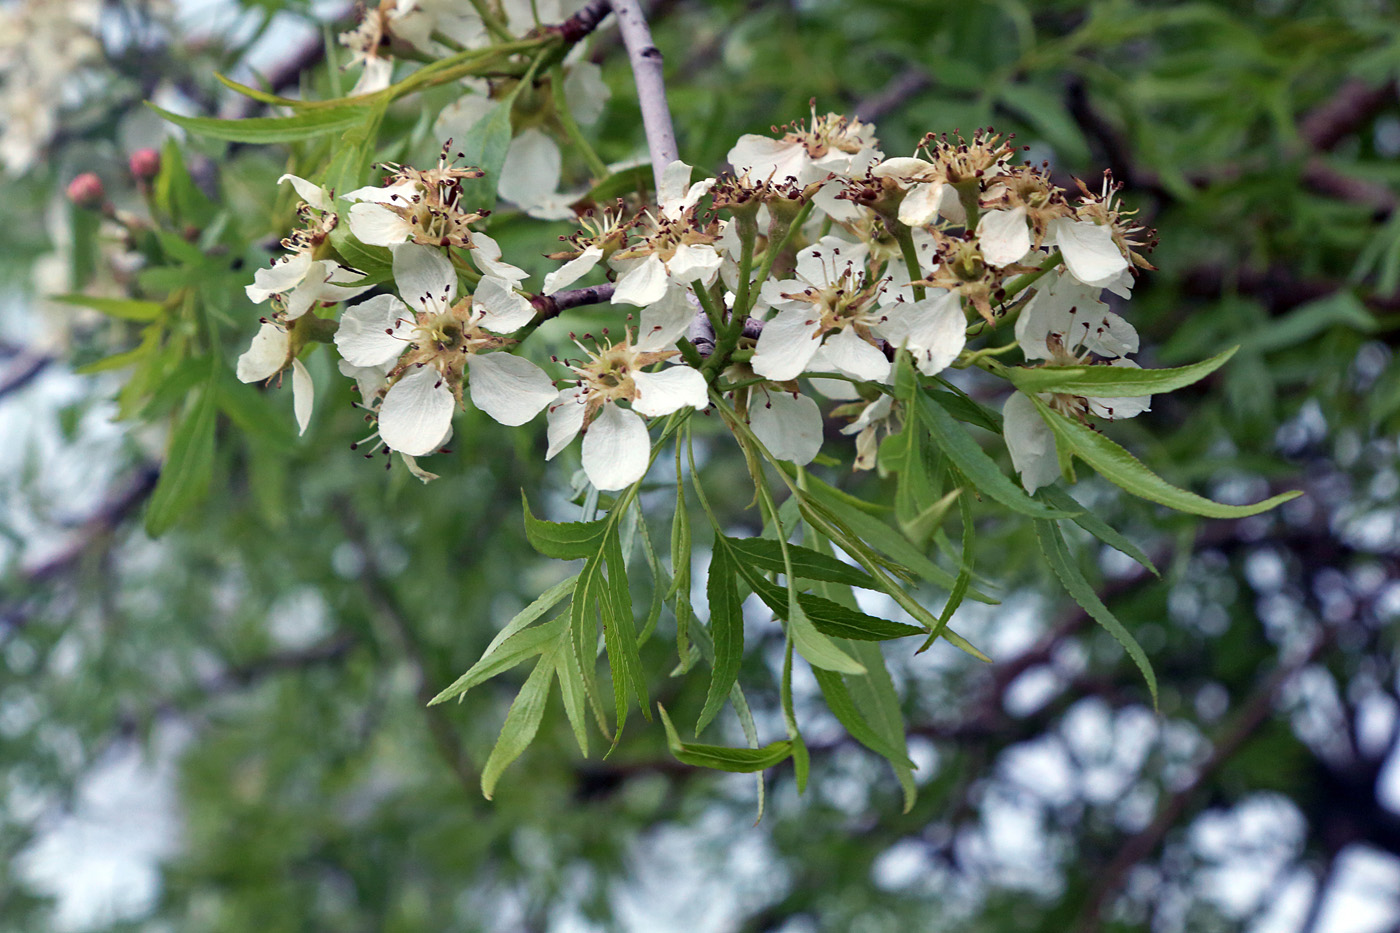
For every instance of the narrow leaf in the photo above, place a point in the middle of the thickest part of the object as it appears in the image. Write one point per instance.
(1113, 381)
(272, 129)
(767, 555)
(185, 476)
(128, 309)
(726, 630)
(1097, 527)
(1124, 470)
(498, 659)
(522, 722)
(723, 757)
(564, 540)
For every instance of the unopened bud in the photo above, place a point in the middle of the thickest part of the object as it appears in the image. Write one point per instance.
(144, 164)
(86, 191)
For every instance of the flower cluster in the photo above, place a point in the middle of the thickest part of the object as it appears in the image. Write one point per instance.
(801, 276)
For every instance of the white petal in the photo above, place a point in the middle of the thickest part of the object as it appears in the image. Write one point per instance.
(921, 204)
(375, 77)
(825, 261)
(303, 395)
(838, 209)
(786, 345)
(376, 225)
(502, 308)
(933, 330)
(585, 92)
(692, 263)
(310, 192)
(531, 170)
(565, 420)
(616, 448)
(675, 179)
(305, 295)
(265, 356)
(459, 118)
(368, 379)
(856, 357)
(1090, 253)
(1030, 442)
(665, 321)
(486, 253)
(789, 426)
(765, 158)
(424, 276)
(669, 390)
(573, 270)
(508, 388)
(1004, 236)
(374, 332)
(402, 193)
(642, 284)
(903, 169)
(417, 412)
(283, 275)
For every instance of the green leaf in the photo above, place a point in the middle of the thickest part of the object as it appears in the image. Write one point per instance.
(571, 688)
(620, 628)
(767, 555)
(1113, 381)
(1124, 470)
(726, 629)
(522, 722)
(262, 97)
(273, 129)
(184, 479)
(819, 650)
(1052, 545)
(253, 414)
(974, 463)
(564, 540)
(505, 654)
(829, 618)
(485, 147)
(722, 757)
(634, 180)
(128, 309)
(838, 699)
(1096, 526)
(878, 703)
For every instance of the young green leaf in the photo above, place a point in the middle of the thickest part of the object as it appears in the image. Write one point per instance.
(272, 129)
(767, 555)
(722, 757)
(503, 655)
(726, 629)
(128, 309)
(564, 540)
(1113, 381)
(522, 722)
(1052, 545)
(1124, 470)
(1096, 526)
(184, 479)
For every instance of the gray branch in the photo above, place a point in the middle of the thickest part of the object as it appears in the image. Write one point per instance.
(651, 86)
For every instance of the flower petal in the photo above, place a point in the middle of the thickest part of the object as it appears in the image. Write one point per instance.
(933, 330)
(616, 448)
(789, 425)
(265, 356)
(573, 270)
(416, 415)
(283, 275)
(303, 395)
(501, 307)
(424, 276)
(1030, 442)
(508, 388)
(642, 284)
(368, 379)
(786, 345)
(531, 171)
(374, 332)
(1090, 253)
(920, 205)
(1004, 236)
(486, 253)
(665, 321)
(669, 390)
(310, 192)
(565, 420)
(855, 357)
(376, 225)
(585, 91)
(693, 262)
(763, 158)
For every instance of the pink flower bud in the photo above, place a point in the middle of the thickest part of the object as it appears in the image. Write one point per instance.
(144, 164)
(86, 191)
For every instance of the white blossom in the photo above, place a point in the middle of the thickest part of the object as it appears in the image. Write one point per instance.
(270, 353)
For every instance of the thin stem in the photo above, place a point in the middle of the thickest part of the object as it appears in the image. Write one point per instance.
(1022, 282)
(491, 21)
(748, 233)
(596, 165)
(647, 73)
(905, 236)
(770, 255)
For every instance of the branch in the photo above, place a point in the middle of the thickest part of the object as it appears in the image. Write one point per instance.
(647, 72)
(24, 371)
(900, 88)
(1345, 112)
(550, 306)
(585, 21)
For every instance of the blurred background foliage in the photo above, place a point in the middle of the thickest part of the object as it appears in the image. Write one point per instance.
(224, 728)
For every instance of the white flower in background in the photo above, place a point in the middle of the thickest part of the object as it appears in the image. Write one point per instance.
(533, 167)
(616, 445)
(267, 356)
(875, 418)
(415, 22)
(434, 343)
(299, 279)
(366, 43)
(830, 317)
(831, 145)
